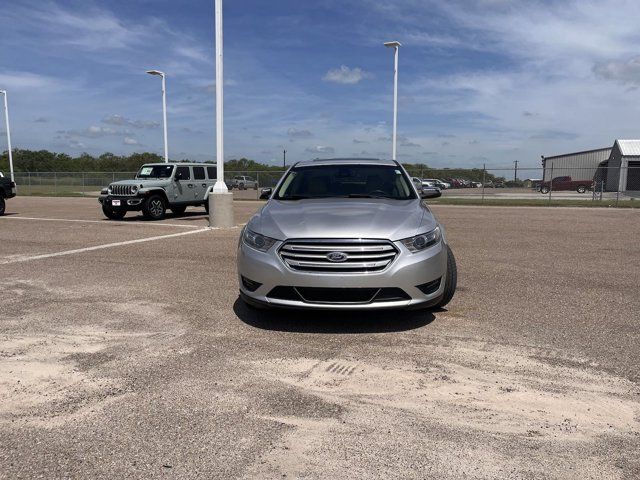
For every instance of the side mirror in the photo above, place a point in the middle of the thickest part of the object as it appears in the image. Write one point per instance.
(265, 193)
(430, 193)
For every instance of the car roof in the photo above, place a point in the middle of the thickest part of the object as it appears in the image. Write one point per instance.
(180, 164)
(346, 161)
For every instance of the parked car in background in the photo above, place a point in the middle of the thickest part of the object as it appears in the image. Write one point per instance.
(7, 190)
(243, 182)
(499, 185)
(425, 188)
(566, 183)
(158, 187)
(434, 182)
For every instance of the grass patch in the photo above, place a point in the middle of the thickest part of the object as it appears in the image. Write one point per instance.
(517, 202)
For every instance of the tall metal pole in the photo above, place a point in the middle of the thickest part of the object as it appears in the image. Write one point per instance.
(6, 118)
(515, 173)
(284, 159)
(220, 186)
(395, 103)
(220, 201)
(396, 47)
(164, 114)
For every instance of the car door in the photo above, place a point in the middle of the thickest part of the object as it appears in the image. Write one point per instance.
(184, 185)
(199, 182)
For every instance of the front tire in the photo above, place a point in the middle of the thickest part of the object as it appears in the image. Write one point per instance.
(451, 280)
(113, 214)
(544, 190)
(582, 189)
(3, 206)
(154, 208)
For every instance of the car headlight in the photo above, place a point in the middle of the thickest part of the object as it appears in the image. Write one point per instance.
(134, 190)
(257, 241)
(425, 240)
(104, 191)
(109, 189)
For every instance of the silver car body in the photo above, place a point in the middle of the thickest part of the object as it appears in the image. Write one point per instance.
(322, 232)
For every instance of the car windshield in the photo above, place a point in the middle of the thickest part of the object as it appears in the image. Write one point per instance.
(155, 171)
(345, 181)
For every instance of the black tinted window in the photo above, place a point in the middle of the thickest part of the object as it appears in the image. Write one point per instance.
(198, 173)
(350, 181)
(212, 172)
(184, 171)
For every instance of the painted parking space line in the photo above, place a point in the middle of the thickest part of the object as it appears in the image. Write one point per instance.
(104, 222)
(101, 247)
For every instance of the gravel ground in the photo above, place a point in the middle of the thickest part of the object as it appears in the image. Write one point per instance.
(138, 360)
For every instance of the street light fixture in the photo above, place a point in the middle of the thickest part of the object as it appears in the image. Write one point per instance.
(164, 110)
(6, 118)
(396, 47)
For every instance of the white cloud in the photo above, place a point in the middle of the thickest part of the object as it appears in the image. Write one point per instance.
(119, 120)
(130, 141)
(295, 133)
(346, 75)
(321, 149)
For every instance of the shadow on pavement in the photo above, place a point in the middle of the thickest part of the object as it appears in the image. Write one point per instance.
(309, 321)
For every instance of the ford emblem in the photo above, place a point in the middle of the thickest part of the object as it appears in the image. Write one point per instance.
(337, 257)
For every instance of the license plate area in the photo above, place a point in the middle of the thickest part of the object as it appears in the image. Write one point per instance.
(115, 203)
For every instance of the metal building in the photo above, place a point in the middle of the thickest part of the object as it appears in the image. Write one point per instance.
(578, 166)
(621, 171)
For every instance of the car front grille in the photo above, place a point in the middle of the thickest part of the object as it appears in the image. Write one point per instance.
(338, 256)
(125, 190)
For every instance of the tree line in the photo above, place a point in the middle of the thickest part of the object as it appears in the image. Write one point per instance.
(46, 161)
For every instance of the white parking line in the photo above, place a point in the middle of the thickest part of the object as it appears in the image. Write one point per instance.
(102, 247)
(104, 222)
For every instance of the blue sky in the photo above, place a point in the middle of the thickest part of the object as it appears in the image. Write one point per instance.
(488, 81)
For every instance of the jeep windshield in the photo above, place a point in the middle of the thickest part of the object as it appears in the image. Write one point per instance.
(155, 171)
(345, 181)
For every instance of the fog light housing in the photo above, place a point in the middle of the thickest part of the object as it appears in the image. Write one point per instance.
(250, 285)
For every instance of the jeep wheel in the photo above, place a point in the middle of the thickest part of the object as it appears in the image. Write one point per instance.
(3, 206)
(154, 208)
(451, 280)
(113, 214)
(582, 189)
(177, 211)
(544, 190)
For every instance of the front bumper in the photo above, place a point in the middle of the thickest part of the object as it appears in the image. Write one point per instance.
(407, 272)
(123, 203)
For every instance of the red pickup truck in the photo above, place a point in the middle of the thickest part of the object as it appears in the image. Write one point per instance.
(566, 183)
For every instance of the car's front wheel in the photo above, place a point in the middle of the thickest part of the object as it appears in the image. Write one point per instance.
(581, 189)
(451, 280)
(3, 206)
(544, 190)
(113, 213)
(154, 208)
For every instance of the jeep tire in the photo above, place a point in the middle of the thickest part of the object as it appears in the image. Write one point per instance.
(178, 210)
(113, 214)
(451, 280)
(154, 208)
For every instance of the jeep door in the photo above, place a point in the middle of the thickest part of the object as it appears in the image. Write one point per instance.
(199, 182)
(184, 185)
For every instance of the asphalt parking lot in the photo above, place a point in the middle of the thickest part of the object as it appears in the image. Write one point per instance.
(125, 352)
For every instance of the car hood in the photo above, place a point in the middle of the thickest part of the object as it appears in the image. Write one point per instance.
(145, 183)
(343, 218)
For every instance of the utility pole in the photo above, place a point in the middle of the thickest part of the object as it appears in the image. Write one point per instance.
(515, 173)
(284, 159)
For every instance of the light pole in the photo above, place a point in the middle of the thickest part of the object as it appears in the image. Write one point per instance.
(220, 200)
(6, 118)
(396, 47)
(164, 110)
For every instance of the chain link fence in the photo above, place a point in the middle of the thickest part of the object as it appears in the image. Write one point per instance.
(611, 185)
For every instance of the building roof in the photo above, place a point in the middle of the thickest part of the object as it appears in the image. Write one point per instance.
(584, 152)
(629, 147)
